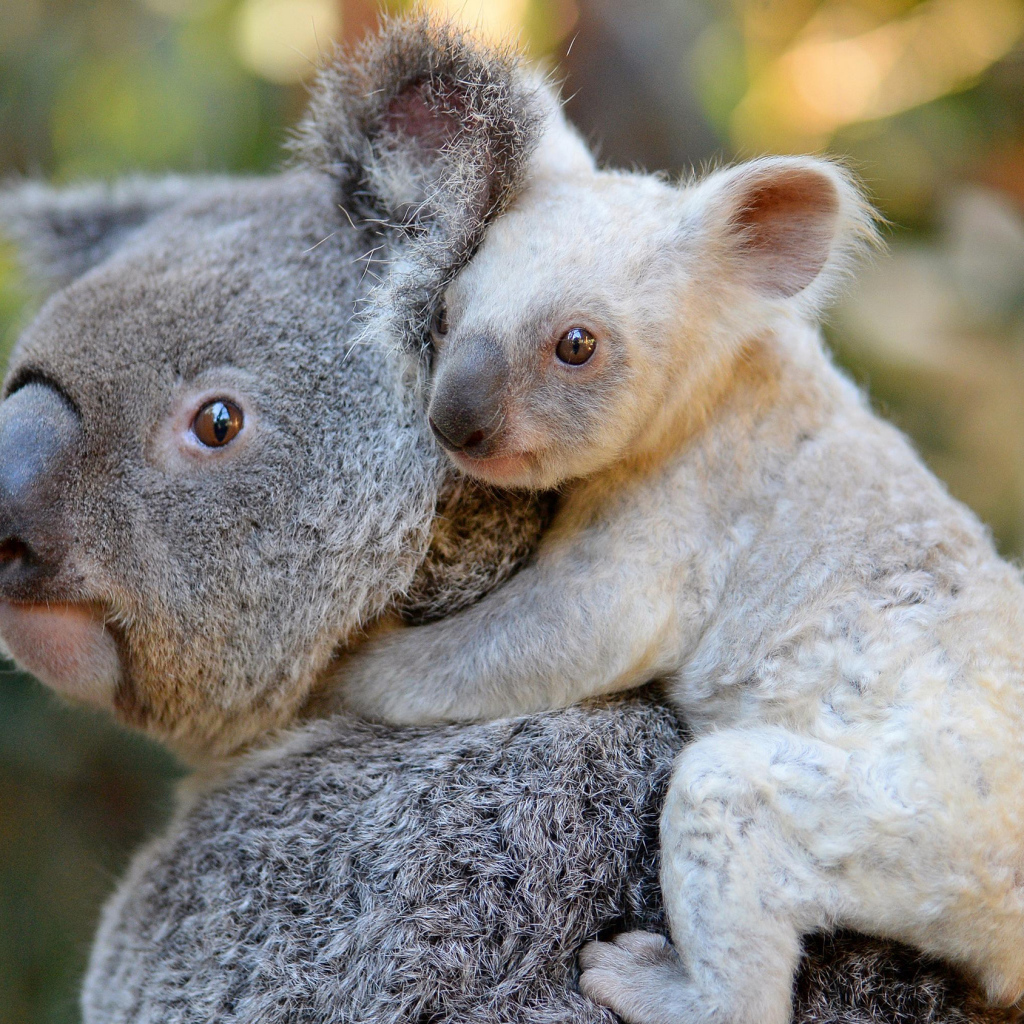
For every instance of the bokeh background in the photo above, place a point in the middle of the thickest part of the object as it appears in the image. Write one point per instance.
(924, 99)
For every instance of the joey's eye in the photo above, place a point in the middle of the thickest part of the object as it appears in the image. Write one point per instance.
(576, 346)
(439, 323)
(217, 423)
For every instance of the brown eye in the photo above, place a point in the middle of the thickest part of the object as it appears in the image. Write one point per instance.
(576, 346)
(217, 423)
(439, 324)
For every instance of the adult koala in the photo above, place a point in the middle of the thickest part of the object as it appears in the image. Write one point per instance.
(212, 479)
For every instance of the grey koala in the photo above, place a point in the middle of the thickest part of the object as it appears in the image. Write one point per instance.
(211, 481)
(212, 509)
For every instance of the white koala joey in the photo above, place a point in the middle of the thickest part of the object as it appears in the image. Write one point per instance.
(838, 632)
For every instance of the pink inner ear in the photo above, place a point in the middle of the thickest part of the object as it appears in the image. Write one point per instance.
(787, 224)
(426, 114)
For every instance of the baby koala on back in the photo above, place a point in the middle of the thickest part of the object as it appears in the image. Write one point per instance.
(604, 314)
(839, 633)
(600, 334)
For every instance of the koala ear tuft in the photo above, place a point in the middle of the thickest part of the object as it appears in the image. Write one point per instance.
(785, 228)
(63, 232)
(423, 125)
(430, 134)
(425, 115)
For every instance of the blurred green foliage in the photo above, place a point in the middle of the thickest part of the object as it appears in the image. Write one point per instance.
(103, 87)
(108, 86)
(77, 795)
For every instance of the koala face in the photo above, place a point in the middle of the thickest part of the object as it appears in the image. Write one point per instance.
(603, 311)
(210, 475)
(549, 347)
(202, 490)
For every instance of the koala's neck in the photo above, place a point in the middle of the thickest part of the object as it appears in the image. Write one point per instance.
(783, 391)
(779, 387)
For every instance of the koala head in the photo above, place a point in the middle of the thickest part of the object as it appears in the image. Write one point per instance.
(604, 310)
(189, 457)
(208, 481)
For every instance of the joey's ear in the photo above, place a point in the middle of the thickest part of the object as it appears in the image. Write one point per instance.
(423, 124)
(783, 227)
(62, 232)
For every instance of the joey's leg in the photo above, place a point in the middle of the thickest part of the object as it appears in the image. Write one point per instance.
(749, 864)
(567, 627)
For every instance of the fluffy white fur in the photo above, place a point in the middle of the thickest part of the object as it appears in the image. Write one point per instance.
(838, 631)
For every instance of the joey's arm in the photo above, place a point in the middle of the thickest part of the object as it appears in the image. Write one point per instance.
(573, 624)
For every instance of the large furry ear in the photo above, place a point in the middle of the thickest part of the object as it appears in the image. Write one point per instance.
(784, 228)
(423, 123)
(430, 134)
(63, 232)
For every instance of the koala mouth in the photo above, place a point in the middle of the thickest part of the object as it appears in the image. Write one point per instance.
(65, 646)
(515, 469)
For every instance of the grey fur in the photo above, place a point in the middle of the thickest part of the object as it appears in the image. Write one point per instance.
(360, 873)
(479, 536)
(62, 234)
(346, 871)
(435, 178)
(481, 113)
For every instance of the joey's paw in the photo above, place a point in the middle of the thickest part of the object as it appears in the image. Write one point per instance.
(628, 948)
(639, 976)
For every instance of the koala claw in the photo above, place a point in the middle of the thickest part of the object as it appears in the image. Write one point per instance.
(638, 975)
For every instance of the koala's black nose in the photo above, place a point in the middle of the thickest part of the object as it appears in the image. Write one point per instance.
(39, 432)
(466, 404)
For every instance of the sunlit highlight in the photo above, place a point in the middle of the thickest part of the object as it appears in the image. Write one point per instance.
(281, 40)
(826, 79)
(493, 19)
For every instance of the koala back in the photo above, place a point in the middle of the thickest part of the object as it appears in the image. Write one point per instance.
(363, 873)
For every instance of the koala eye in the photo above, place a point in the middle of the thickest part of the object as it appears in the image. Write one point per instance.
(217, 423)
(439, 323)
(576, 346)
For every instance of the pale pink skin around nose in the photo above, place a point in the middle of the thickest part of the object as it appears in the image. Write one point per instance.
(64, 646)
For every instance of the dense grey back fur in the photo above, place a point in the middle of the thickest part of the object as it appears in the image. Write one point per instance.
(361, 873)
(350, 872)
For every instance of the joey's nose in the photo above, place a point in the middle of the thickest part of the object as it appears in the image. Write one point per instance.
(466, 405)
(39, 432)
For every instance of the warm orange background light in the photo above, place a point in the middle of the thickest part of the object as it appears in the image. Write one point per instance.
(830, 77)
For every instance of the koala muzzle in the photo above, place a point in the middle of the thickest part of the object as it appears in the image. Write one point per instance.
(466, 405)
(39, 434)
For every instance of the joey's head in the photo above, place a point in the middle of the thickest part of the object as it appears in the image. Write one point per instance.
(604, 311)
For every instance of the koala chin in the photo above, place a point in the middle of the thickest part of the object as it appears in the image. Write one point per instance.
(66, 647)
(838, 632)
